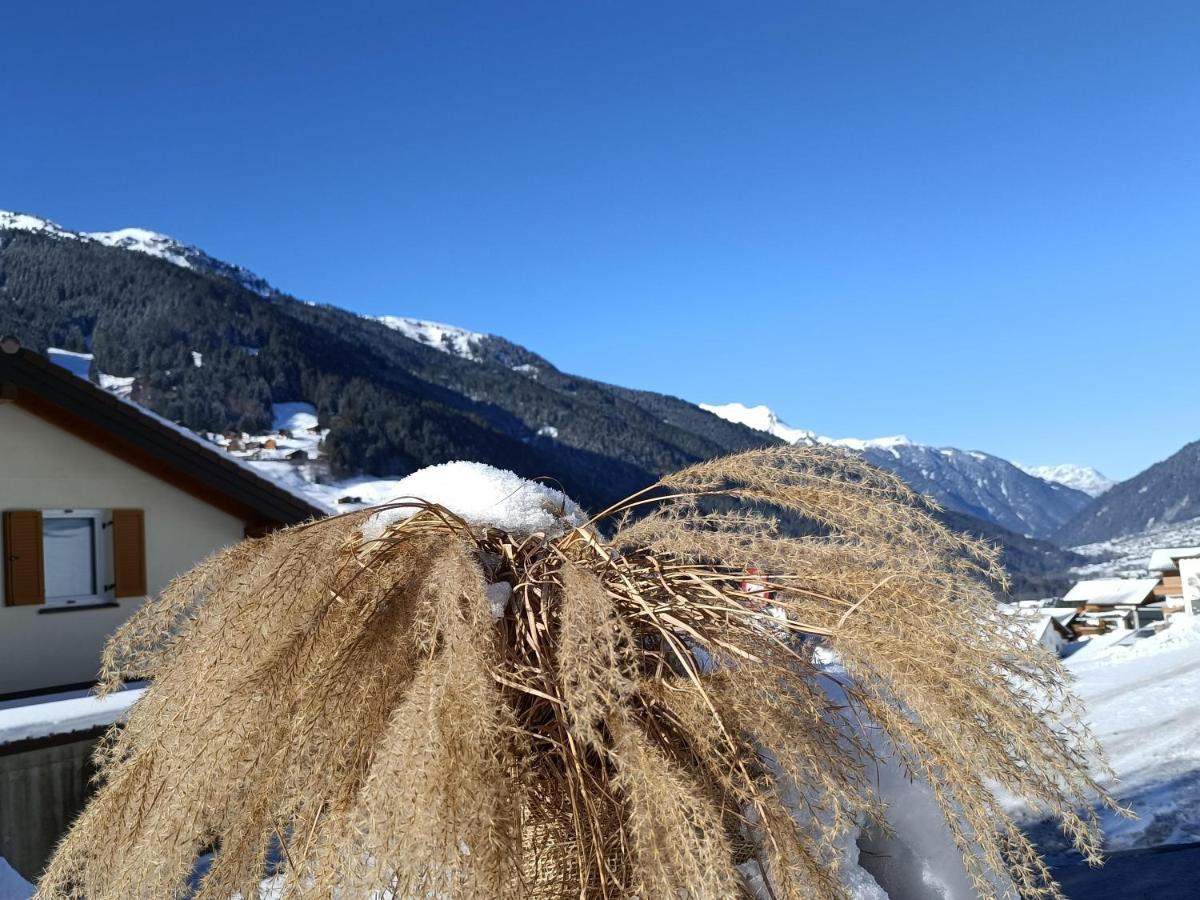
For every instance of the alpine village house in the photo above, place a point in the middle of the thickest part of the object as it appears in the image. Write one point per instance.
(103, 503)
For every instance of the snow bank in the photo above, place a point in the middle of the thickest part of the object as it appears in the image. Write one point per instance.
(483, 495)
(12, 885)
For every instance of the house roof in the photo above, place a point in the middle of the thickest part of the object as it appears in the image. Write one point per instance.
(1063, 615)
(1112, 591)
(145, 439)
(1165, 559)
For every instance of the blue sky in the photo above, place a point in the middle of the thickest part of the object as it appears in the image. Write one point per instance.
(976, 224)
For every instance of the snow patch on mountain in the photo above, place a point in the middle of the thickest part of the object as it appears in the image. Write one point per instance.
(1081, 478)
(447, 338)
(141, 240)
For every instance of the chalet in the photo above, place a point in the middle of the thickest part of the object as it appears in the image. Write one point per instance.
(1049, 626)
(102, 504)
(1165, 564)
(1103, 603)
(1050, 632)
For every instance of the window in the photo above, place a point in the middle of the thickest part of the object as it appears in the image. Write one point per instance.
(75, 556)
(72, 557)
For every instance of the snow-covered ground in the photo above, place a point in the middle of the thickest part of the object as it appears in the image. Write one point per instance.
(12, 885)
(1142, 695)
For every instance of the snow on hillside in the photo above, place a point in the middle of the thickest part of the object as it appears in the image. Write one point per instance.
(1127, 557)
(1081, 478)
(149, 242)
(141, 240)
(447, 338)
(15, 221)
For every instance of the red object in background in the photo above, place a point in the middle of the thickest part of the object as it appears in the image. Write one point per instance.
(755, 585)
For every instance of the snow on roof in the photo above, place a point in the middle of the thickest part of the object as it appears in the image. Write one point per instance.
(62, 714)
(1111, 591)
(1163, 559)
(1064, 615)
(483, 495)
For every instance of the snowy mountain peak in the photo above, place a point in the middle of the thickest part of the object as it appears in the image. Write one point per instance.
(141, 240)
(149, 242)
(883, 443)
(447, 338)
(15, 221)
(1081, 478)
(761, 418)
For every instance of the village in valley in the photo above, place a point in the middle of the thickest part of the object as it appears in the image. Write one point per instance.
(1129, 607)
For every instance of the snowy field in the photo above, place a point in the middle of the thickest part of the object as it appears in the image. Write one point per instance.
(1143, 702)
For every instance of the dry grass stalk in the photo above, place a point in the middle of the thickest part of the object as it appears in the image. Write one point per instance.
(631, 726)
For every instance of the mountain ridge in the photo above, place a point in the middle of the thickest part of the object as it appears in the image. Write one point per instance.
(968, 481)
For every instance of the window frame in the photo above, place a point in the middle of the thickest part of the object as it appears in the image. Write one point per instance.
(101, 557)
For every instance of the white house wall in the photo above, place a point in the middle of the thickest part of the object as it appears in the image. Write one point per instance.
(44, 467)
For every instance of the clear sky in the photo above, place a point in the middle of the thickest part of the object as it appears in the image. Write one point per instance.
(974, 223)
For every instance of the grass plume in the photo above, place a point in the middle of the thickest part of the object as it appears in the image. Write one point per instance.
(633, 724)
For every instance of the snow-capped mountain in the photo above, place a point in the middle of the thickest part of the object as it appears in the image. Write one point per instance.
(1081, 478)
(140, 240)
(760, 418)
(979, 484)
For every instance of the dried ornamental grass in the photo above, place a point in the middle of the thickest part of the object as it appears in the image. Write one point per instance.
(630, 725)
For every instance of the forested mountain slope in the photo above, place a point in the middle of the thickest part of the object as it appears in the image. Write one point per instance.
(212, 346)
(209, 353)
(1166, 493)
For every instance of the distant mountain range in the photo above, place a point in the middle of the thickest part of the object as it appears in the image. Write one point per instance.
(215, 347)
(978, 484)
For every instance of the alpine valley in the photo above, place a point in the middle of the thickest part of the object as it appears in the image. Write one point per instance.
(216, 348)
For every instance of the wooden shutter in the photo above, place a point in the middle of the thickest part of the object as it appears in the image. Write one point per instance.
(24, 575)
(129, 553)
